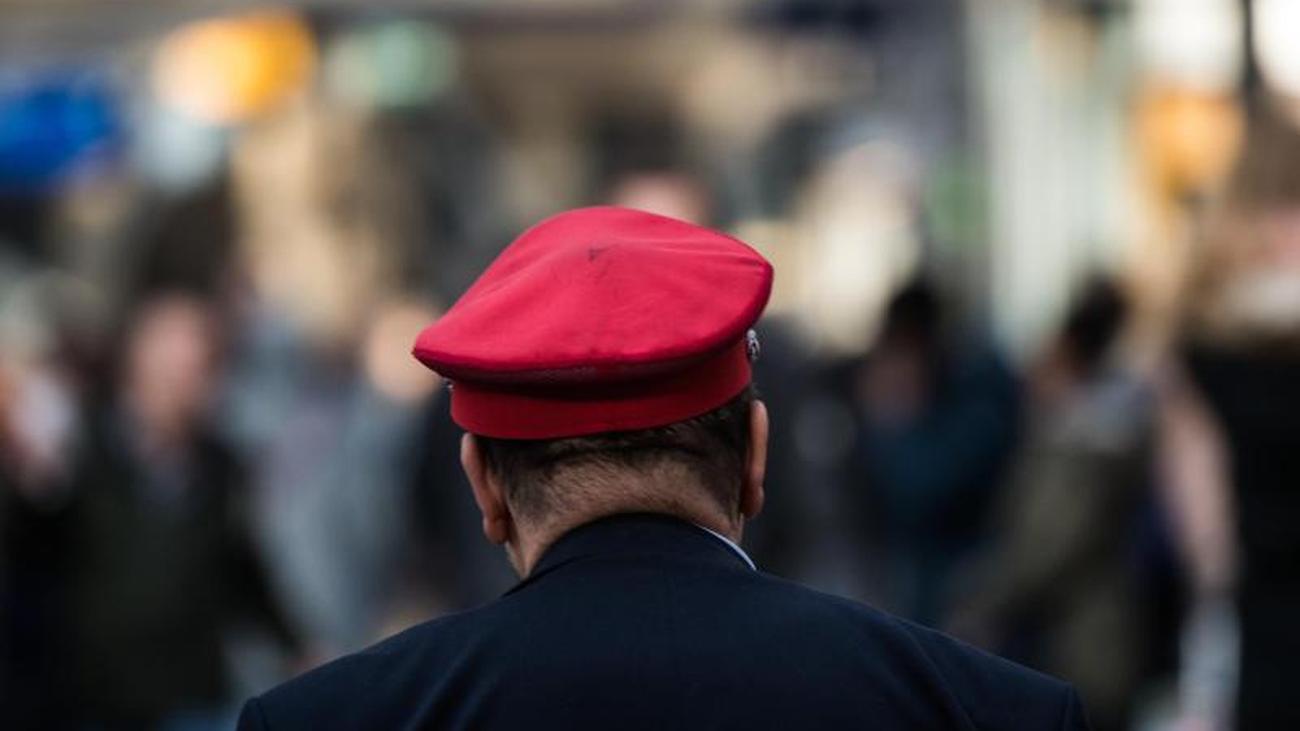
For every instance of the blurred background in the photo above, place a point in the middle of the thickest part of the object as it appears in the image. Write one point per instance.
(1031, 357)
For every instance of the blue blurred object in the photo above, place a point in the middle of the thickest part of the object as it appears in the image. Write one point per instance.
(51, 123)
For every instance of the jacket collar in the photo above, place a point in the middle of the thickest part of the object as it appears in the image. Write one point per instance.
(638, 534)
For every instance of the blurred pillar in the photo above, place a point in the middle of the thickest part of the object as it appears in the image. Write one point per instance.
(1251, 83)
(1049, 110)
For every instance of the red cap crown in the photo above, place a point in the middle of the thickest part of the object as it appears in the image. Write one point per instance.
(600, 319)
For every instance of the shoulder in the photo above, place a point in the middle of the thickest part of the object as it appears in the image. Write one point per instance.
(777, 624)
(994, 693)
(357, 690)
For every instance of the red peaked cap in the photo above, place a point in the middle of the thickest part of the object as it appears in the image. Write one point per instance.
(599, 320)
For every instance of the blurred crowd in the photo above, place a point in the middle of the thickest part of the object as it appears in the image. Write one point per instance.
(219, 465)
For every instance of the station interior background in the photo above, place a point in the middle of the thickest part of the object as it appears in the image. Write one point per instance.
(1038, 292)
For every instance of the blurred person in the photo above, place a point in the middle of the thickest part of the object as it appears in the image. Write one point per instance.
(331, 446)
(327, 215)
(1231, 428)
(1058, 590)
(37, 387)
(150, 539)
(938, 422)
(667, 192)
(460, 568)
(394, 390)
(38, 419)
(602, 369)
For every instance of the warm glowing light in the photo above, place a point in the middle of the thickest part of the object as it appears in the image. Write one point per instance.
(231, 69)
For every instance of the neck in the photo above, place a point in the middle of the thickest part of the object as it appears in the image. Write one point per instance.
(531, 540)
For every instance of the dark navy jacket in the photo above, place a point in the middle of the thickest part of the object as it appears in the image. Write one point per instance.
(647, 622)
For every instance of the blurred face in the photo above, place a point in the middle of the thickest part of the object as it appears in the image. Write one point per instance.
(169, 369)
(1264, 291)
(665, 193)
(1281, 229)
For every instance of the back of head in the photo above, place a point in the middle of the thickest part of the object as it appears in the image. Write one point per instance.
(682, 468)
(914, 315)
(1094, 322)
(602, 365)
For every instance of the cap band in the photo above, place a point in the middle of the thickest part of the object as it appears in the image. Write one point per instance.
(539, 412)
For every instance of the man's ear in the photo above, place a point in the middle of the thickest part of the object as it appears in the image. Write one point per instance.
(751, 492)
(488, 492)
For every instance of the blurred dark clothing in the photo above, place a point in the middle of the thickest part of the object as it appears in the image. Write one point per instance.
(1059, 591)
(29, 670)
(450, 554)
(646, 621)
(923, 483)
(781, 539)
(330, 460)
(1255, 396)
(153, 564)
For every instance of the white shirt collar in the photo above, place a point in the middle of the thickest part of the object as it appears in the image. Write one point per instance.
(730, 544)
